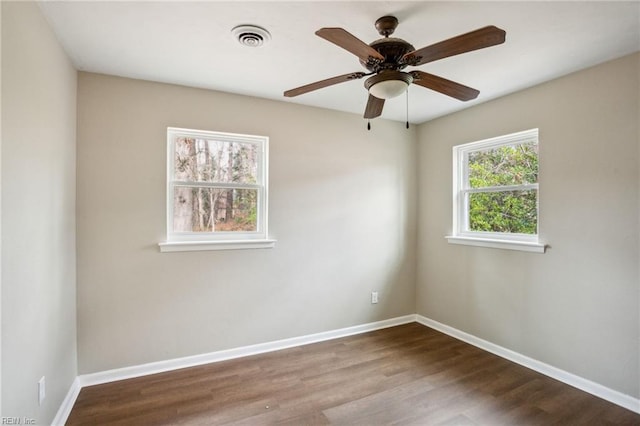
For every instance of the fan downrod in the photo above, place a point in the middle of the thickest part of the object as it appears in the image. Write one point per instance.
(386, 25)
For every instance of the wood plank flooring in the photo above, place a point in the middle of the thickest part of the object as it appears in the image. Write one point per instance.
(405, 375)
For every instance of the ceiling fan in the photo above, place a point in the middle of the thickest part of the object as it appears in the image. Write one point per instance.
(386, 57)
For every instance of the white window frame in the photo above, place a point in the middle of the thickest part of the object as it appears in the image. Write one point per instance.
(197, 241)
(461, 234)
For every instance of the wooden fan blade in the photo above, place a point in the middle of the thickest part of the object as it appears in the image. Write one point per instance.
(349, 42)
(374, 107)
(478, 39)
(442, 85)
(323, 83)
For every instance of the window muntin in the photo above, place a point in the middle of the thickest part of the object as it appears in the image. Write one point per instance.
(496, 188)
(216, 186)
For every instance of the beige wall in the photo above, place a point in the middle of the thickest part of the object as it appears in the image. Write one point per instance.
(0, 211)
(38, 215)
(341, 207)
(577, 306)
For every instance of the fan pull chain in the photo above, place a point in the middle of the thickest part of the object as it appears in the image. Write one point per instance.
(368, 124)
(407, 108)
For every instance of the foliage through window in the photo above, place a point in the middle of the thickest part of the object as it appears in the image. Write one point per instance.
(216, 186)
(496, 188)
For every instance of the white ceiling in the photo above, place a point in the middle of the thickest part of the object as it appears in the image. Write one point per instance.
(190, 43)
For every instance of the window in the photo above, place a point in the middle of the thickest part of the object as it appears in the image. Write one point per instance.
(495, 199)
(216, 191)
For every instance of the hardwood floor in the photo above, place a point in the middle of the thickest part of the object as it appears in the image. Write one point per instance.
(408, 374)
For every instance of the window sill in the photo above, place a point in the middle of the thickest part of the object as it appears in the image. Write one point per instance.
(499, 244)
(171, 246)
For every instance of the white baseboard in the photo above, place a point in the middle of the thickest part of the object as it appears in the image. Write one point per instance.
(192, 361)
(108, 376)
(67, 404)
(581, 383)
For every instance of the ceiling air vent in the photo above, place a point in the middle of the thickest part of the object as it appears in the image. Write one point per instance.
(250, 35)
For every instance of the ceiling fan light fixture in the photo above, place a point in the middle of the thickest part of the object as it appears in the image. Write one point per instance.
(388, 84)
(388, 89)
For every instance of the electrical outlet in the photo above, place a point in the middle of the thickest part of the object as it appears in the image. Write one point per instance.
(374, 297)
(42, 393)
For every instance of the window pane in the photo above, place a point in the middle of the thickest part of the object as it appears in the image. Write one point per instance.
(209, 160)
(505, 165)
(214, 210)
(509, 211)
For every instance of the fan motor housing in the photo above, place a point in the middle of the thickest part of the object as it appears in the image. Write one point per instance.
(393, 49)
